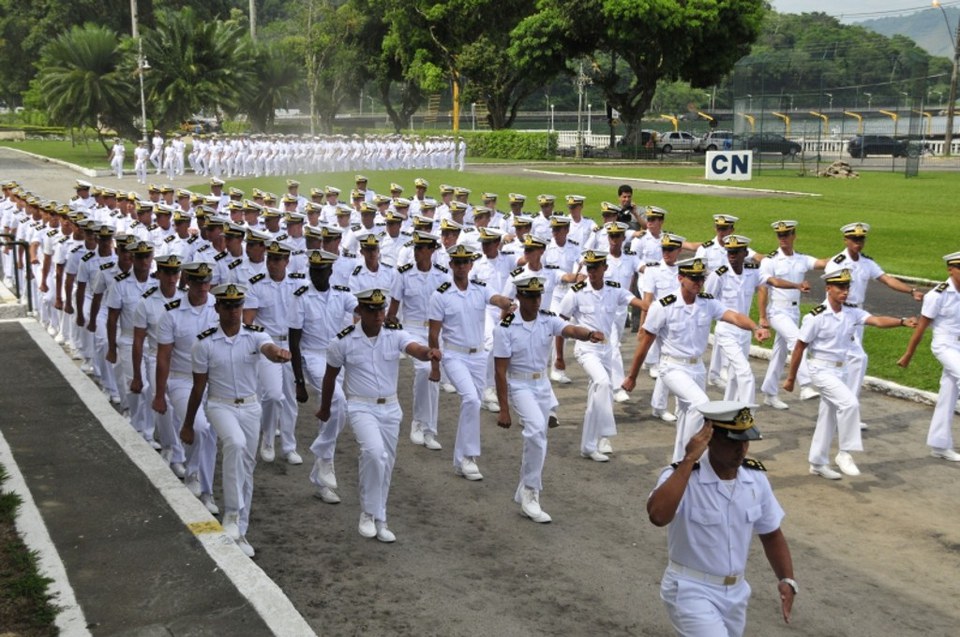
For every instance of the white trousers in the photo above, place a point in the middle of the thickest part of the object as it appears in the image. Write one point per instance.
(616, 356)
(426, 394)
(201, 456)
(788, 329)
(165, 424)
(533, 400)
(279, 400)
(324, 446)
(141, 415)
(940, 434)
(687, 382)
(598, 421)
(238, 428)
(467, 372)
(376, 428)
(698, 609)
(735, 345)
(839, 409)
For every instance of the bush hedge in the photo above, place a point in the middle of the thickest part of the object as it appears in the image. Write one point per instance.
(505, 144)
(38, 131)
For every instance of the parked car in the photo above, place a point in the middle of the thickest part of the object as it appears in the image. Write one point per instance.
(199, 125)
(770, 143)
(715, 140)
(863, 145)
(676, 140)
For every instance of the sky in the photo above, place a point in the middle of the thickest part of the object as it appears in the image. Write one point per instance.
(855, 10)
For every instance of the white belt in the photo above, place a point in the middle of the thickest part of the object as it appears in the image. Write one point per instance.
(281, 338)
(462, 350)
(383, 400)
(407, 323)
(526, 375)
(181, 375)
(777, 303)
(825, 361)
(248, 400)
(690, 573)
(666, 358)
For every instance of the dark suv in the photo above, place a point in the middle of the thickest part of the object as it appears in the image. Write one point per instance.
(863, 145)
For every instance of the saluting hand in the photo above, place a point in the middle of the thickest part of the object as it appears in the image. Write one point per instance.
(698, 444)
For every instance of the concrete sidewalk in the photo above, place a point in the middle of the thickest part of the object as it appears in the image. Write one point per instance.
(142, 555)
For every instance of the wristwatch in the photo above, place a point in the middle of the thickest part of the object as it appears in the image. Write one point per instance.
(793, 584)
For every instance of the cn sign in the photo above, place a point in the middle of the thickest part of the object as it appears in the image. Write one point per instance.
(727, 164)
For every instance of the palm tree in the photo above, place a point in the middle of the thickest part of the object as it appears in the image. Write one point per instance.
(83, 82)
(277, 71)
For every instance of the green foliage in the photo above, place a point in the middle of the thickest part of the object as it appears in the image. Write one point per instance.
(276, 73)
(506, 144)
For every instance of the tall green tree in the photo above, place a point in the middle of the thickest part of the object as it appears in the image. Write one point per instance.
(277, 72)
(84, 82)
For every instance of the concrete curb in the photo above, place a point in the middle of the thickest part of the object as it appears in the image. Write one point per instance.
(70, 620)
(269, 601)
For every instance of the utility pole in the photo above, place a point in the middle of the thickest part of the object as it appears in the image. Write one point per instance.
(253, 19)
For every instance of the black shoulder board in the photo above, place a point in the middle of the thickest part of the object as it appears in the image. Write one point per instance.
(296, 275)
(408, 244)
(696, 465)
(628, 251)
(221, 256)
(444, 287)
(170, 238)
(552, 267)
(356, 270)
(751, 463)
(172, 305)
(393, 325)
(204, 334)
(704, 295)
(668, 299)
(355, 226)
(193, 238)
(442, 268)
(722, 270)
(478, 282)
(235, 263)
(253, 328)
(707, 244)
(404, 268)
(579, 286)
(342, 288)
(63, 239)
(281, 237)
(107, 265)
(652, 264)
(612, 284)
(77, 247)
(149, 292)
(507, 320)
(51, 233)
(517, 271)
(773, 253)
(598, 229)
(866, 256)
(576, 243)
(817, 310)
(840, 258)
(943, 286)
(345, 331)
(406, 233)
(257, 277)
(349, 255)
(299, 291)
(751, 265)
(548, 312)
(204, 248)
(152, 226)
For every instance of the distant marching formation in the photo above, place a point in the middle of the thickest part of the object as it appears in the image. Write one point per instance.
(260, 155)
(205, 317)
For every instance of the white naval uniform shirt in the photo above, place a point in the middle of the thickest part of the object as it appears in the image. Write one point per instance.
(371, 365)
(863, 270)
(659, 279)
(942, 306)
(789, 268)
(712, 529)
(414, 290)
(595, 309)
(621, 269)
(683, 329)
(527, 343)
(648, 247)
(125, 295)
(734, 290)
(273, 301)
(180, 326)
(462, 313)
(580, 231)
(230, 362)
(148, 313)
(550, 274)
(320, 315)
(362, 278)
(830, 335)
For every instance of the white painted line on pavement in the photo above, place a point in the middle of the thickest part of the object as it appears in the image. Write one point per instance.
(261, 592)
(70, 619)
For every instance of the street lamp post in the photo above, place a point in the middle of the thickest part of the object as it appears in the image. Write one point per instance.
(952, 97)
(141, 65)
(869, 100)
(551, 118)
(830, 97)
(750, 102)
(589, 120)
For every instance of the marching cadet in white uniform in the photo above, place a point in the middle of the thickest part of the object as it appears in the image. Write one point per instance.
(370, 272)
(681, 322)
(594, 303)
(494, 270)
(714, 504)
(622, 266)
(659, 279)
(269, 300)
(828, 335)
(941, 309)
(116, 157)
(778, 302)
(863, 269)
(459, 310)
(146, 321)
(411, 296)
(225, 362)
(521, 351)
(734, 285)
(369, 354)
(176, 333)
(319, 312)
